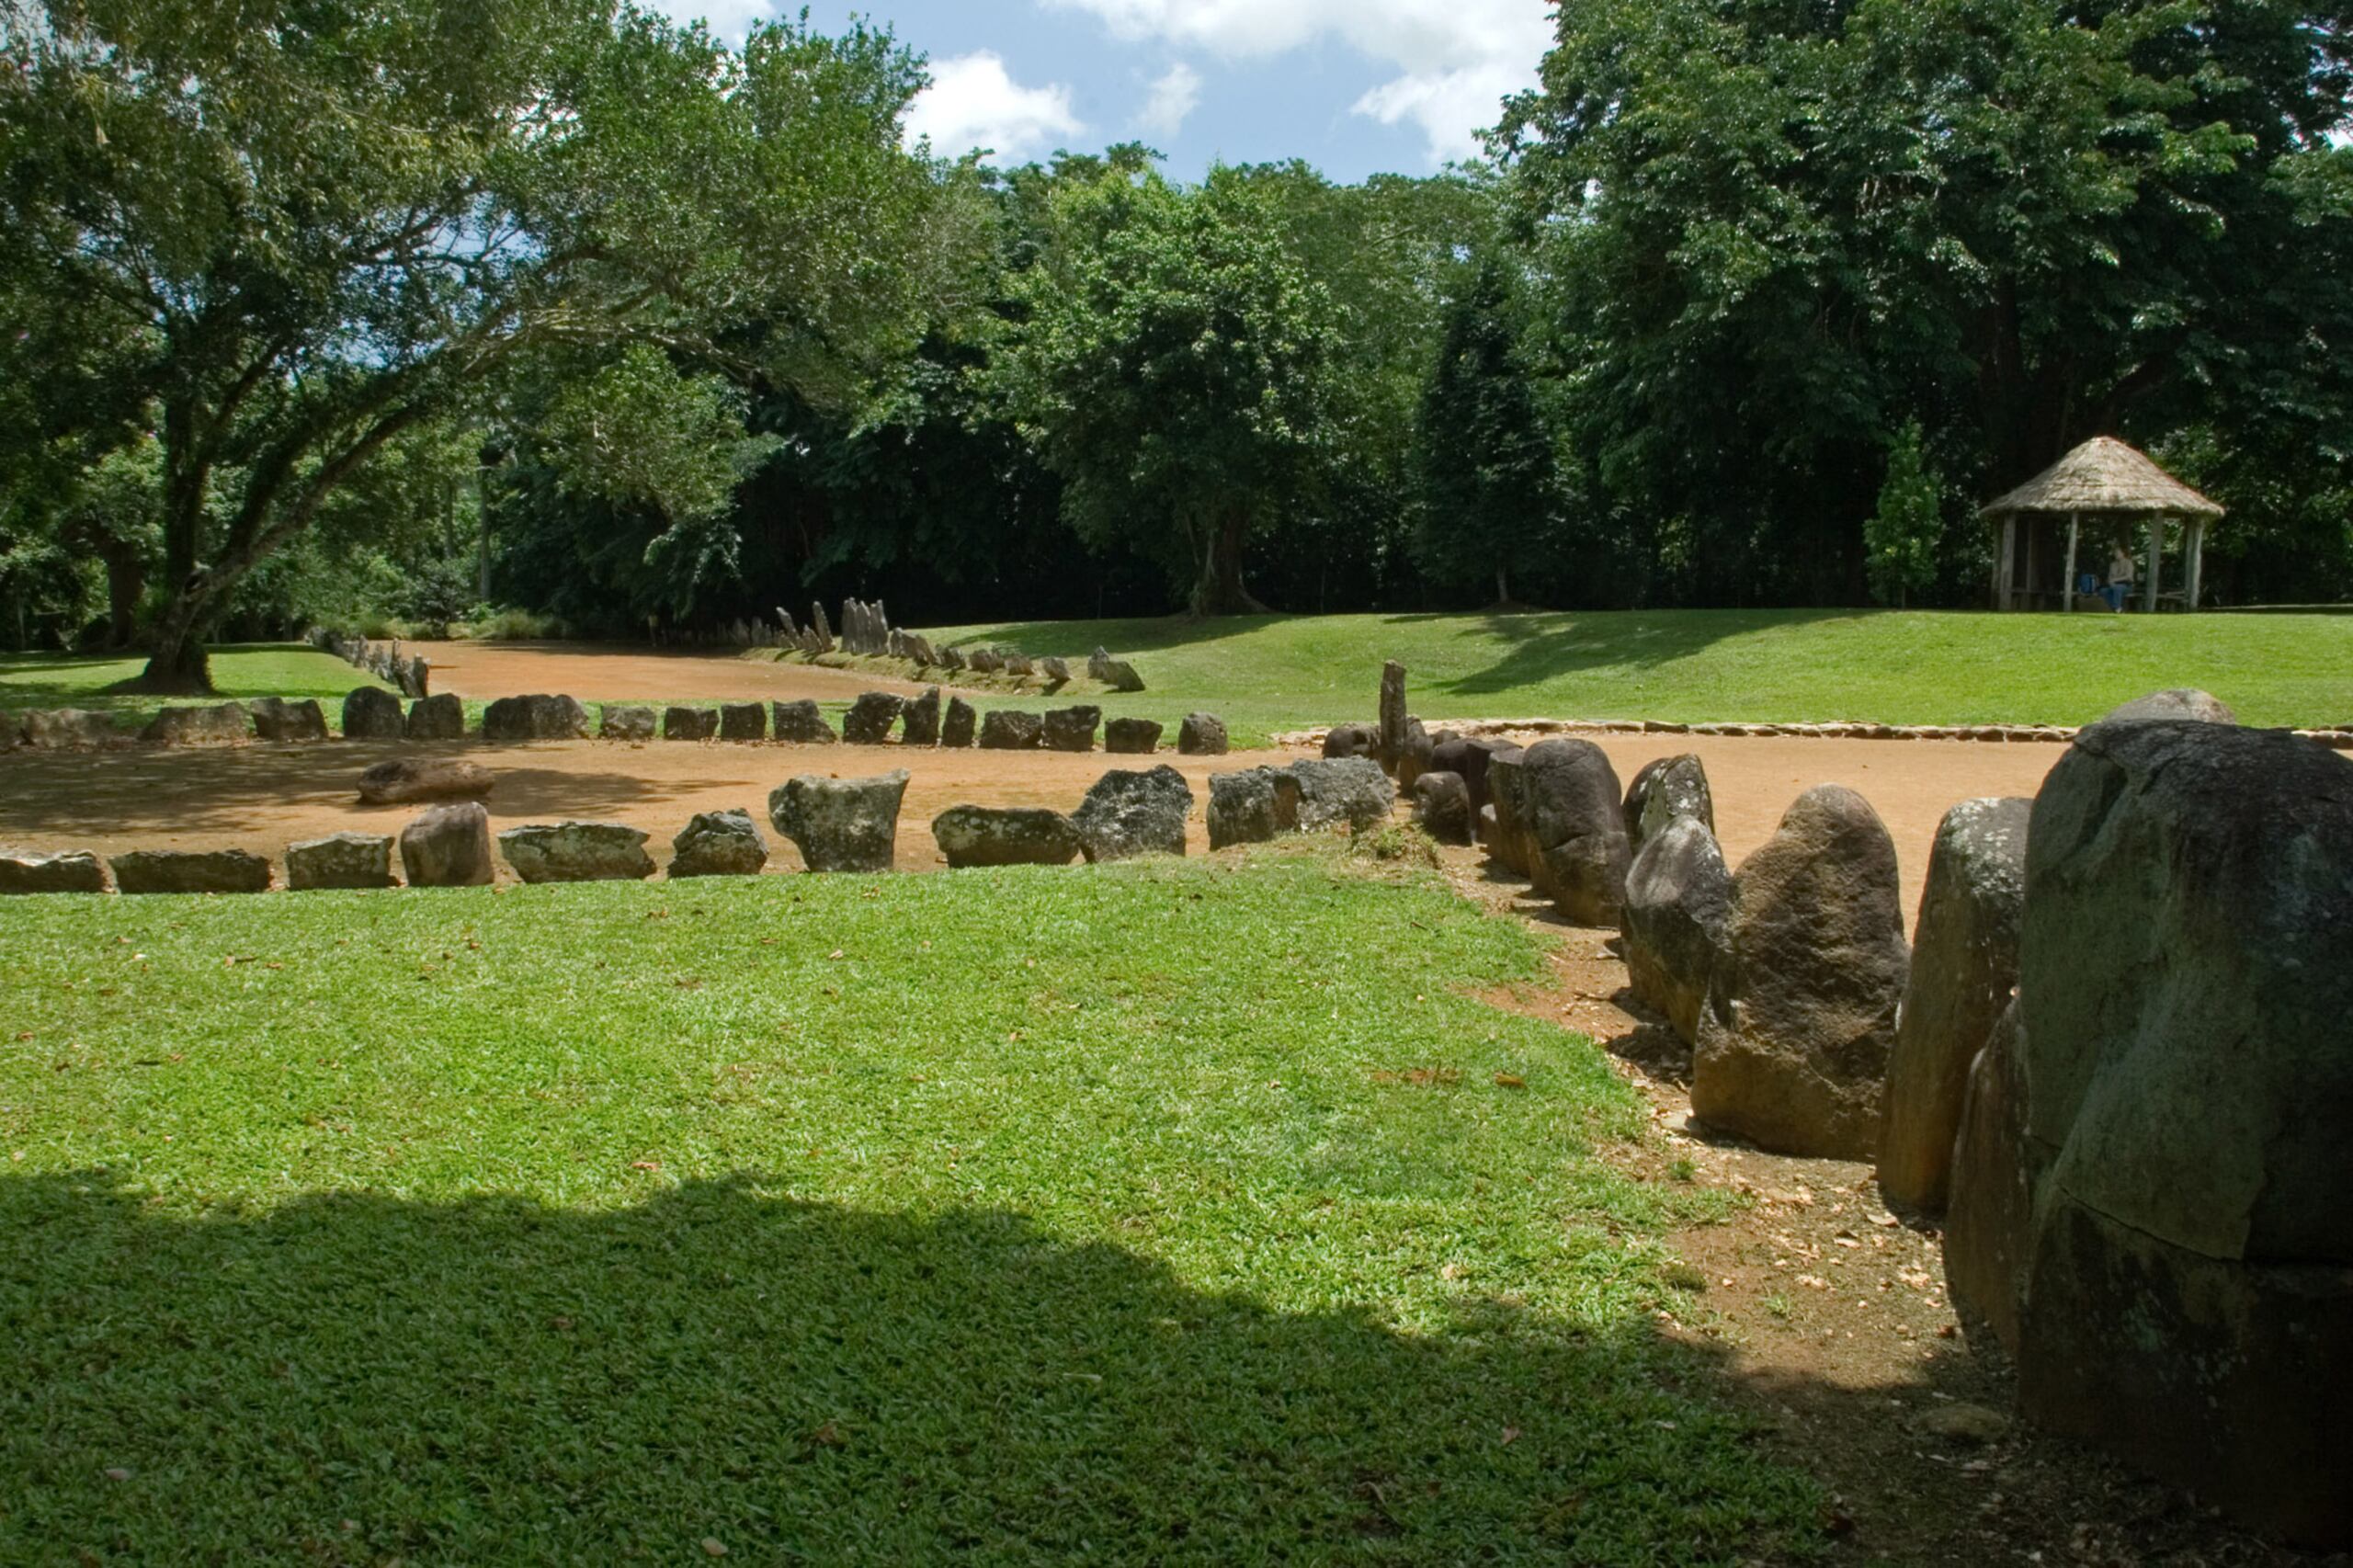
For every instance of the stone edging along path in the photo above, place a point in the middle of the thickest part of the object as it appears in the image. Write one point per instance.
(2340, 739)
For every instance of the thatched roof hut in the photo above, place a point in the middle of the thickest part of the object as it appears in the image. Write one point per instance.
(2102, 479)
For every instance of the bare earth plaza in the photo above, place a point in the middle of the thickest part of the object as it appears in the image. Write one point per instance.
(805, 789)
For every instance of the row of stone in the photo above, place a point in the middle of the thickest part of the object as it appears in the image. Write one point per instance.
(2336, 737)
(274, 718)
(412, 677)
(867, 630)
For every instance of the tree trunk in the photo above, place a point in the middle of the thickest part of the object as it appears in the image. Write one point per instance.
(1220, 590)
(177, 664)
(1503, 584)
(126, 581)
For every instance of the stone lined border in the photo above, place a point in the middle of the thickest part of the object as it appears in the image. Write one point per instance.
(2337, 738)
(411, 677)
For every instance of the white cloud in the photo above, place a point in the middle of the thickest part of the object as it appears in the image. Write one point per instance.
(974, 102)
(1456, 58)
(728, 18)
(1171, 101)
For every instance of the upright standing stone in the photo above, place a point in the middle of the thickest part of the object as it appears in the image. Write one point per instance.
(841, 824)
(448, 847)
(74, 872)
(1467, 759)
(743, 722)
(1202, 735)
(347, 861)
(1071, 729)
(2186, 975)
(1131, 737)
(1795, 1057)
(1009, 729)
(1442, 808)
(1392, 742)
(1413, 756)
(1989, 1215)
(922, 719)
(719, 844)
(190, 871)
(961, 725)
(277, 720)
(681, 723)
(1253, 806)
(869, 720)
(1668, 787)
(801, 723)
(1347, 789)
(822, 633)
(372, 713)
(441, 718)
(1677, 922)
(1129, 813)
(1965, 971)
(537, 717)
(1572, 814)
(626, 721)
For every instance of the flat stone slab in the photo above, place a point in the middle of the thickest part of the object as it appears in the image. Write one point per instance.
(410, 780)
(75, 871)
(577, 852)
(190, 871)
(345, 860)
(981, 835)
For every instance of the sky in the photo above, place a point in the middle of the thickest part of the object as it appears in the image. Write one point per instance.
(1354, 86)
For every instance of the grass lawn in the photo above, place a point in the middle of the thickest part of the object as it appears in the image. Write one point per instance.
(1267, 674)
(1160, 1213)
(261, 669)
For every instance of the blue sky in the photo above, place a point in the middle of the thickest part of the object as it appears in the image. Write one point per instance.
(1354, 86)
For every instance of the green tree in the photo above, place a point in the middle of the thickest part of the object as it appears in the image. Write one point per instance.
(1177, 365)
(1489, 495)
(1902, 538)
(322, 227)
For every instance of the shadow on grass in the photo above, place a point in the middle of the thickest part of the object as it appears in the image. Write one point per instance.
(350, 1378)
(1077, 638)
(1546, 647)
(47, 798)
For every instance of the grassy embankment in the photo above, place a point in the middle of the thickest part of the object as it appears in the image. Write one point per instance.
(1164, 1212)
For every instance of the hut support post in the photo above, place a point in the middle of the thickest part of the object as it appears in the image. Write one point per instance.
(2197, 561)
(2156, 562)
(2067, 585)
(2002, 566)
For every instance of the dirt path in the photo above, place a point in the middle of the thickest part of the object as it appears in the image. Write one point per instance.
(1827, 1317)
(265, 797)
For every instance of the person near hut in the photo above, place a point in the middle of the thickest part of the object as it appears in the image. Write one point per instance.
(2120, 572)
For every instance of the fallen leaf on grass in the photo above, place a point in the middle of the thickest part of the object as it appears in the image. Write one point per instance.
(645, 1164)
(1511, 1436)
(713, 1547)
(1510, 1081)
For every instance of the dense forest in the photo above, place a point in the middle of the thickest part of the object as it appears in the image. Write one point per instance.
(416, 311)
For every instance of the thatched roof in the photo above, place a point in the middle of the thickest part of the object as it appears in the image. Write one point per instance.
(2104, 475)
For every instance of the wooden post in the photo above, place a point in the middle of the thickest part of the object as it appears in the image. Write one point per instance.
(2067, 589)
(2156, 562)
(2002, 568)
(2197, 560)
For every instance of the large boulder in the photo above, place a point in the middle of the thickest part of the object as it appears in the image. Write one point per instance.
(959, 725)
(719, 844)
(1665, 788)
(1202, 735)
(978, 836)
(1253, 806)
(1414, 754)
(1677, 922)
(2182, 703)
(441, 718)
(922, 716)
(537, 717)
(67, 729)
(1989, 1215)
(684, 724)
(1071, 729)
(1442, 808)
(1571, 814)
(372, 713)
(1131, 737)
(215, 724)
(800, 723)
(871, 718)
(626, 721)
(742, 722)
(577, 852)
(841, 824)
(448, 847)
(190, 871)
(1009, 729)
(1347, 789)
(1965, 971)
(76, 870)
(1793, 1055)
(277, 720)
(344, 860)
(1128, 814)
(2186, 975)
(408, 780)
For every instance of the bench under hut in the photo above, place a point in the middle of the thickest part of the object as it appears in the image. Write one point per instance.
(2112, 486)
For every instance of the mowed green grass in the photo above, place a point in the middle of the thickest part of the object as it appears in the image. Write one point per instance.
(261, 669)
(1270, 673)
(1157, 1213)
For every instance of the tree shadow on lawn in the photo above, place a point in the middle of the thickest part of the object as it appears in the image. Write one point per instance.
(353, 1377)
(47, 798)
(1547, 646)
